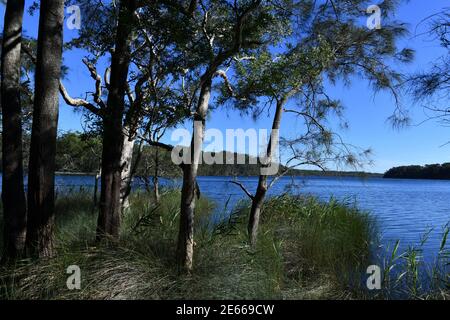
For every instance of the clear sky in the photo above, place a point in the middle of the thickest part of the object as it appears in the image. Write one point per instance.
(366, 113)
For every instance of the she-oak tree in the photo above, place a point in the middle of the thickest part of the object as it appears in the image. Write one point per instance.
(332, 45)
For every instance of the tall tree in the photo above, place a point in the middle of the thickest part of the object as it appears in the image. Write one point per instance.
(13, 194)
(331, 45)
(113, 135)
(146, 85)
(215, 34)
(41, 174)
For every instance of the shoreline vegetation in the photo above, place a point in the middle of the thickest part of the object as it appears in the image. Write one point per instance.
(428, 171)
(79, 154)
(299, 173)
(306, 250)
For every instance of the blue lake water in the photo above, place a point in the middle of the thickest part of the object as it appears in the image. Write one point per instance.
(404, 209)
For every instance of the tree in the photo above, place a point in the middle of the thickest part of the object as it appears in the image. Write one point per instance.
(155, 163)
(332, 45)
(432, 86)
(111, 178)
(41, 173)
(111, 117)
(13, 194)
(147, 98)
(211, 35)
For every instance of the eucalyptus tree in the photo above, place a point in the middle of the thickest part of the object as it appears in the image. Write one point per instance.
(164, 111)
(211, 35)
(41, 169)
(150, 162)
(96, 37)
(143, 49)
(111, 179)
(13, 194)
(107, 31)
(327, 44)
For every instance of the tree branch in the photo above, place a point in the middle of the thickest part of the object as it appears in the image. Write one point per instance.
(98, 83)
(77, 102)
(243, 189)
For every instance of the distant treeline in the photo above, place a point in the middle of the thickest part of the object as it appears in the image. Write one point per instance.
(80, 153)
(429, 171)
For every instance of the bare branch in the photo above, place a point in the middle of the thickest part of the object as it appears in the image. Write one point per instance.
(243, 189)
(98, 83)
(74, 102)
(223, 75)
(307, 115)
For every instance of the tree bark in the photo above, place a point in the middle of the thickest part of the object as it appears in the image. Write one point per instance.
(110, 205)
(41, 193)
(258, 199)
(185, 248)
(13, 194)
(97, 177)
(156, 177)
(127, 176)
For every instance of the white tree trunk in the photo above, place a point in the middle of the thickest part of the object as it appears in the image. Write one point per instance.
(185, 249)
(126, 160)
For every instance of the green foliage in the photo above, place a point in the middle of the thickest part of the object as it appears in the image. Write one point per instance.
(77, 152)
(433, 84)
(328, 44)
(429, 171)
(323, 238)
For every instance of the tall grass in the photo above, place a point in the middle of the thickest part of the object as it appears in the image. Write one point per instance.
(324, 243)
(407, 274)
(306, 250)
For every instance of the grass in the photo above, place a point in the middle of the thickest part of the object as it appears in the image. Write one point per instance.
(407, 275)
(306, 250)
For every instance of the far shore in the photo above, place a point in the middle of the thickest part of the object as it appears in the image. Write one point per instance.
(299, 173)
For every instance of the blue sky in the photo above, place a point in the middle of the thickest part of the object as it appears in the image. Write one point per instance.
(366, 113)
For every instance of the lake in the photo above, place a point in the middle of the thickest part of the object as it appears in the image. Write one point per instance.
(404, 209)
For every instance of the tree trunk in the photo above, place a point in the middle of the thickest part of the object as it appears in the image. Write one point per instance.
(41, 175)
(255, 212)
(258, 199)
(127, 176)
(185, 248)
(13, 194)
(155, 177)
(110, 204)
(97, 177)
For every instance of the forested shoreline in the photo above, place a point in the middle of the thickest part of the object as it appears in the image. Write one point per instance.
(429, 171)
(79, 153)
